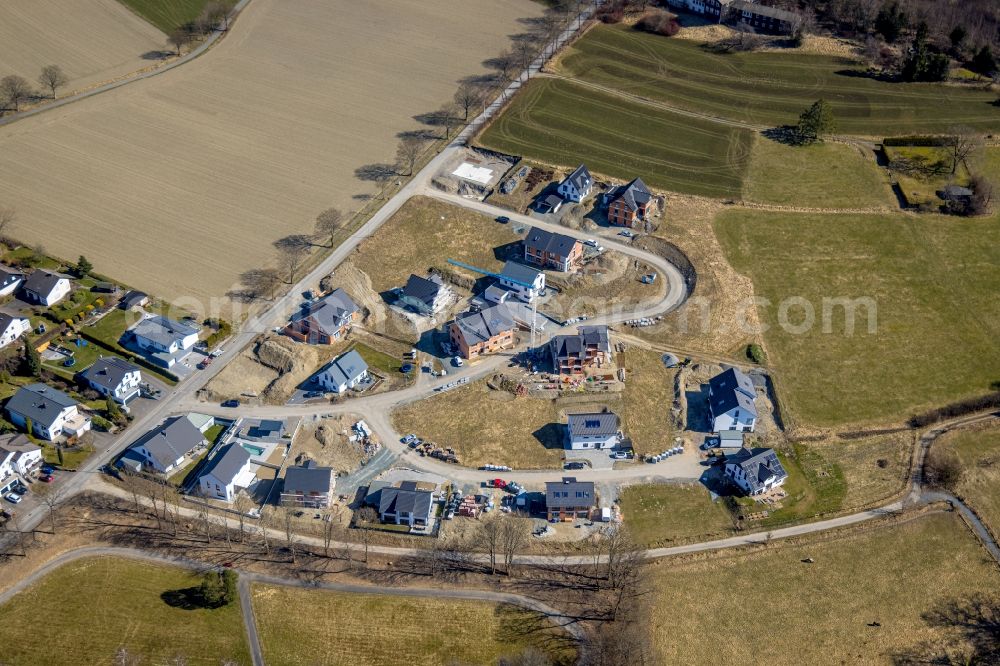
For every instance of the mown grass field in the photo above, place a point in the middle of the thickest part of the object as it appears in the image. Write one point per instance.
(769, 606)
(666, 514)
(978, 451)
(824, 175)
(563, 123)
(84, 612)
(168, 15)
(921, 189)
(329, 628)
(770, 88)
(932, 279)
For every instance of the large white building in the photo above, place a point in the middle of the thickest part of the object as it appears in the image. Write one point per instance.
(115, 377)
(343, 373)
(228, 472)
(731, 402)
(52, 413)
(12, 328)
(592, 431)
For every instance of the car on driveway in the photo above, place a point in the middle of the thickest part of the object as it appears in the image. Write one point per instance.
(48, 469)
(313, 394)
(46, 478)
(13, 498)
(591, 242)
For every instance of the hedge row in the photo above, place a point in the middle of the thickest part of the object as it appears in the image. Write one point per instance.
(921, 141)
(970, 406)
(138, 360)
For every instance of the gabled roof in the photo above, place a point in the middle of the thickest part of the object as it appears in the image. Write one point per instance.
(16, 443)
(422, 289)
(569, 493)
(580, 178)
(477, 327)
(41, 403)
(758, 465)
(346, 368)
(228, 463)
(519, 273)
(309, 478)
(6, 320)
(163, 330)
(557, 244)
(400, 500)
(108, 371)
(599, 424)
(131, 299)
(635, 195)
(331, 311)
(42, 282)
(569, 346)
(595, 336)
(763, 10)
(8, 275)
(171, 440)
(731, 389)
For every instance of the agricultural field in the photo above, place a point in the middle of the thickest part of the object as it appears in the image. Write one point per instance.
(182, 181)
(823, 175)
(978, 452)
(93, 41)
(824, 610)
(932, 280)
(564, 123)
(93, 607)
(772, 88)
(167, 16)
(424, 631)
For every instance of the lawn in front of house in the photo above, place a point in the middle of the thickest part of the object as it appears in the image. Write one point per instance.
(83, 612)
(978, 452)
(823, 175)
(817, 602)
(331, 628)
(931, 282)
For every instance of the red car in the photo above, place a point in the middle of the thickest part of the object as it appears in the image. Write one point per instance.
(46, 478)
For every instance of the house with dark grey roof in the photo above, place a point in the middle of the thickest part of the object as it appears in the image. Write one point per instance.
(326, 320)
(12, 328)
(167, 446)
(425, 295)
(755, 471)
(45, 288)
(731, 401)
(406, 505)
(548, 203)
(550, 250)
(113, 376)
(133, 299)
(308, 486)
(18, 455)
(589, 348)
(162, 339)
(525, 282)
(52, 413)
(228, 472)
(763, 17)
(630, 204)
(343, 373)
(10, 280)
(592, 430)
(569, 499)
(715, 9)
(486, 331)
(577, 186)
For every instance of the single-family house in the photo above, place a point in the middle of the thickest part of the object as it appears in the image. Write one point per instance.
(406, 505)
(425, 295)
(755, 471)
(630, 204)
(525, 282)
(569, 499)
(115, 377)
(484, 332)
(11, 328)
(308, 486)
(52, 413)
(592, 430)
(326, 320)
(10, 280)
(18, 455)
(762, 17)
(343, 373)
(228, 472)
(164, 336)
(714, 9)
(731, 401)
(133, 299)
(576, 186)
(589, 348)
(45, 288)
(550, 250)
(167, 446)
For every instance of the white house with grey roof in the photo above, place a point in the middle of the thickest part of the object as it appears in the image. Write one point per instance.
(52, 413)
(343, 373)
(10, 280)
(12, 328)
(163, 339)
(592, 430)
(115, 377)
(18, 455)
(167, 447)
(426, 295)
(228, 472)
(577, 186)
(45, 288)
(524, 282)
(755, 471)
(731, 401)
(308, 485)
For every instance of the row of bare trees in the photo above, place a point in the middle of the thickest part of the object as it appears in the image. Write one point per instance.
(15, 90)
(214, 16)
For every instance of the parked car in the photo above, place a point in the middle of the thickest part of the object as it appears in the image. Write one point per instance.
(591, 242)
(575, 464)
(406, 368)
(13, 498)
(46, 478)
(626, 233)
(503, 219)
(313, 394)
(48, 469)
(231, 403)
(408, 439)
(458, 362)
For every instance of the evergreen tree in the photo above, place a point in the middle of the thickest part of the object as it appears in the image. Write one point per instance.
(814, 122)
(983, 62)
(83, 266)
(921, 64)
(112, 410)
(32, 361)
(890, 22)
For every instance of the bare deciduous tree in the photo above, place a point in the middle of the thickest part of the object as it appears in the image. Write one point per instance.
(242, 503)
(489, 540)
(329, 529)
(14, 89)
(408, 152)
(179, 38)
(466, 97)
(961, 143)
(328, 223)
(514, 531)
(53, 78)
(260, 282)
(125, 658)
(292, 251)
(289, 518)
(52, 497)
(366, 518)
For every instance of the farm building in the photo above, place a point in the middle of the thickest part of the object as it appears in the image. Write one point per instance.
(343, 373)
(308, 486)
(484, 332)
(589, 348)
(576, 186)
(115, 377)
(755, 471)
(630, 204)
(548, 250)
(52, 413)
(592, 431)
(10, 280)
(425, 295)
(165, 447)
(12, 328)
(731, 401)
(325, 321)
(228, 472)
(45, 288)
(569, 499)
